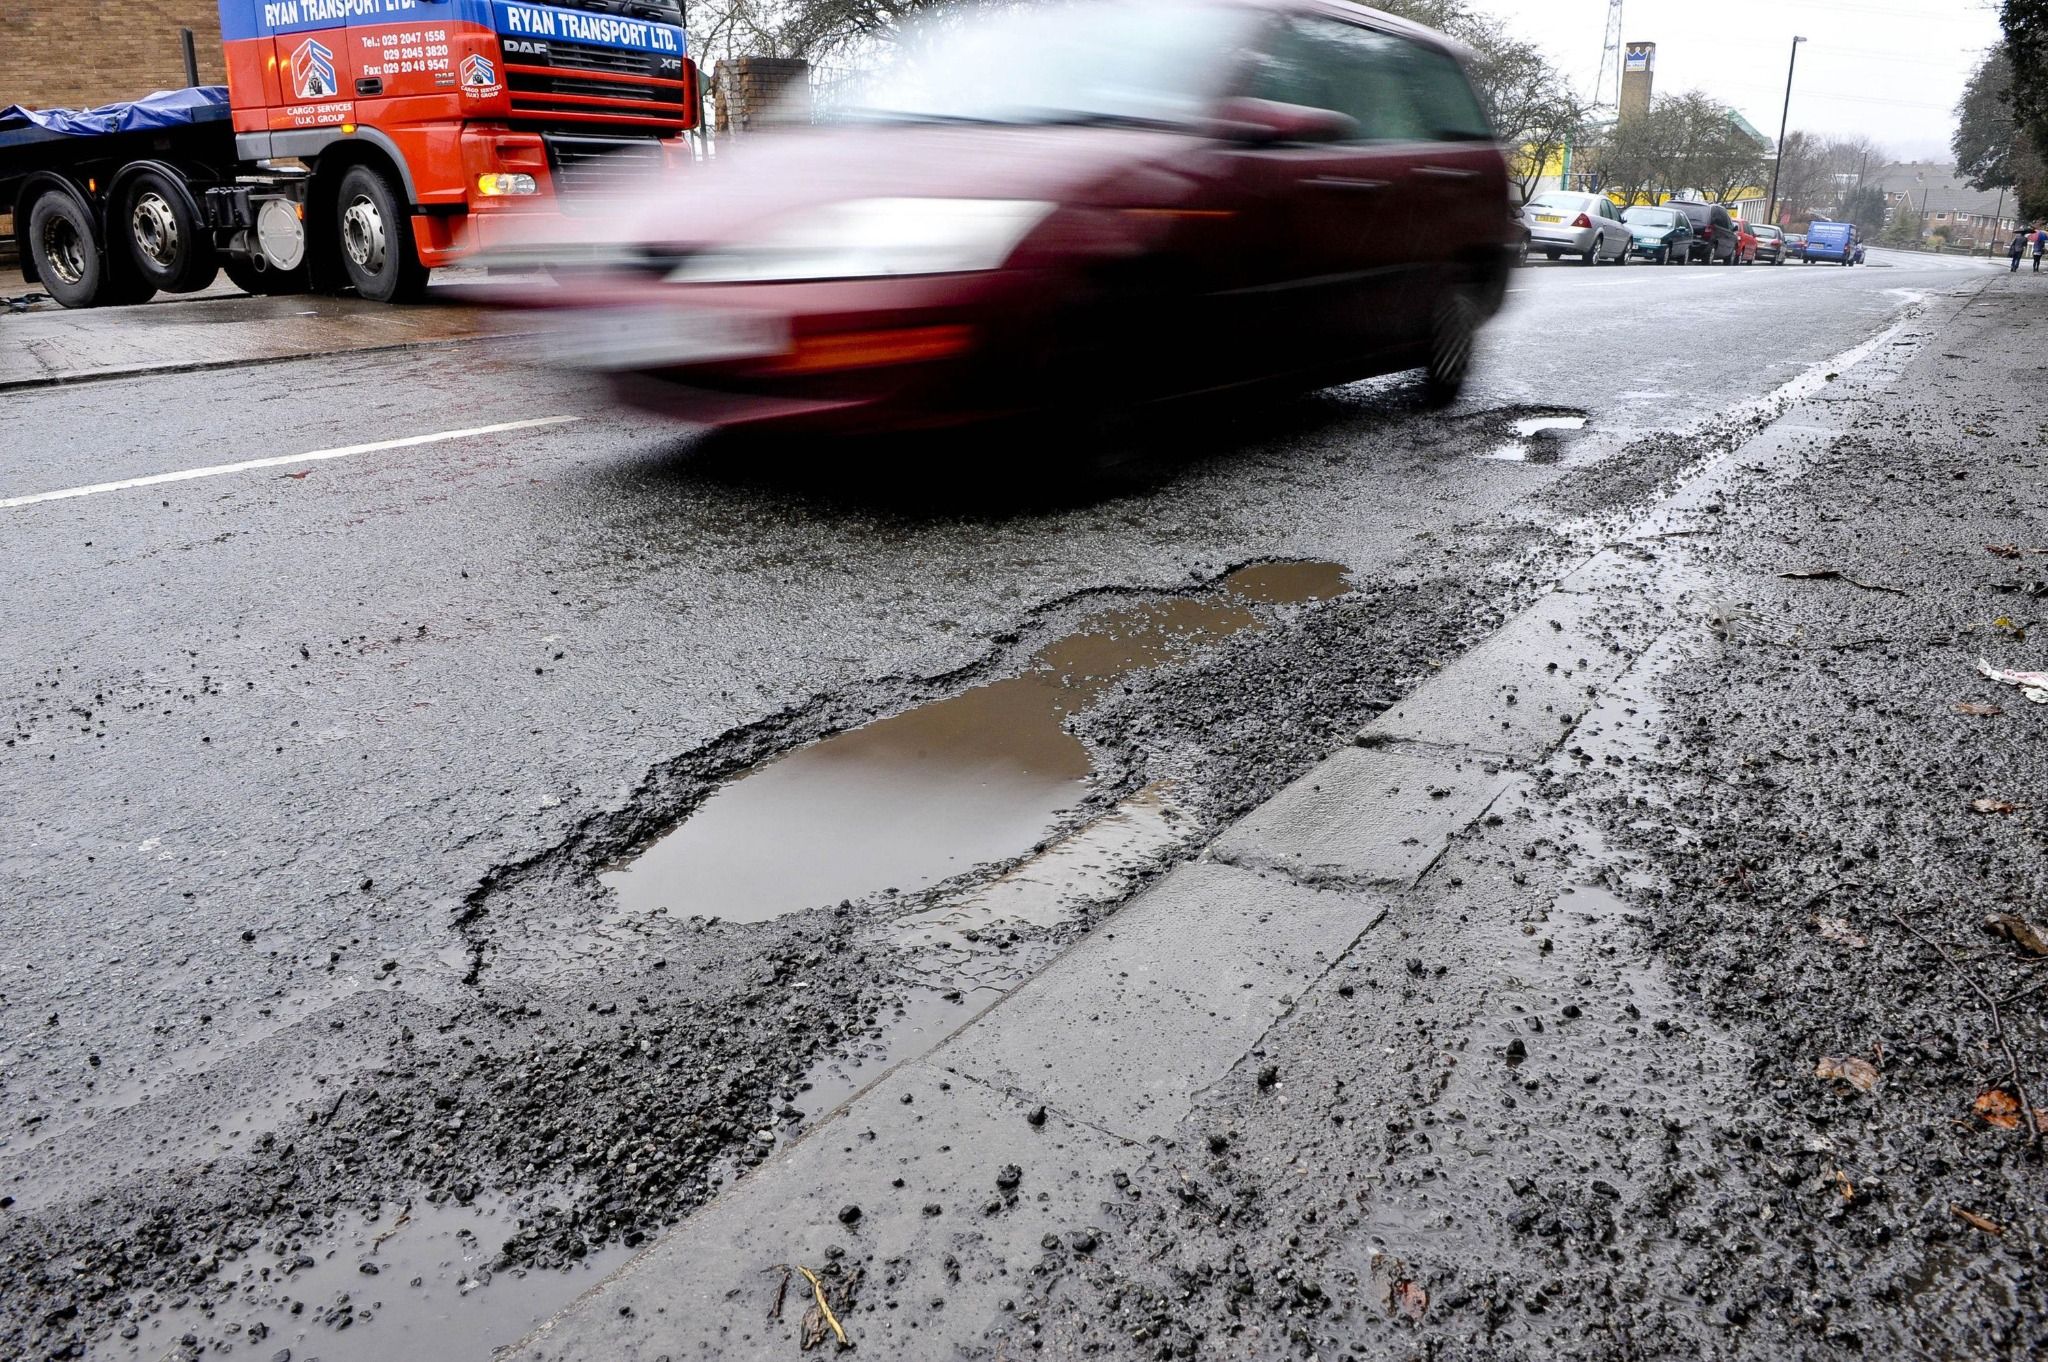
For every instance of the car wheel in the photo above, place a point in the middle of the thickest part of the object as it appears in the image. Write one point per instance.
(1453, 328)
(375, 232)
(1623, 257)
(1592, 255)
(1551, 255)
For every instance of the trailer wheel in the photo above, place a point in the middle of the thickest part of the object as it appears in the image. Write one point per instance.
(264, 283)
(66, 249)
(170, 248)
(375, 232)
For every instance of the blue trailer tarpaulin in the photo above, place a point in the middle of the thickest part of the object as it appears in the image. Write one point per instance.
(164, 109)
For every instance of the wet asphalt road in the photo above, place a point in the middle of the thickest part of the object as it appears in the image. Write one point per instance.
(269, 731)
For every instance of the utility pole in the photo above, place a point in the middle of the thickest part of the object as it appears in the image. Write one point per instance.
(1784, 117)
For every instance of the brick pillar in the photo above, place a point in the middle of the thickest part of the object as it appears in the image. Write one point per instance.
(759, 92)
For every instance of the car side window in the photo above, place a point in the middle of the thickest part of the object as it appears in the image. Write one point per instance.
(1449, 109)
(1394, 89)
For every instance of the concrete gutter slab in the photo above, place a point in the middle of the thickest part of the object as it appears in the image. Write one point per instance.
(707, 1290)
(1376, 815)
(1519, 692)
(1163, 999)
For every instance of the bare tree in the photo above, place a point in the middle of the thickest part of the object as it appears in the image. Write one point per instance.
(1634, 157)
(1803, 182)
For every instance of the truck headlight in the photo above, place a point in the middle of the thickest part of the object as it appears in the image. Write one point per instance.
(498, 186)
(872, 238)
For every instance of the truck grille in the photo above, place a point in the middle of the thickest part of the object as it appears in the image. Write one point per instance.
(520, 83)
(596, 172)
(589, 57)
(583, 83)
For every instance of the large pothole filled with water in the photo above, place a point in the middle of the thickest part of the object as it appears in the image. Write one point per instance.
(916, 798)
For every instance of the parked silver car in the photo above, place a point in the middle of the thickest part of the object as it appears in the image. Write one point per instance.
(1588, 226)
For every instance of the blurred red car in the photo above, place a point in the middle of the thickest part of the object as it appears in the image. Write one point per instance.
(1074, 206)
(1745, 243)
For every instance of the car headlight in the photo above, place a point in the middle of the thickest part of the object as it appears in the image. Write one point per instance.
(872, 238)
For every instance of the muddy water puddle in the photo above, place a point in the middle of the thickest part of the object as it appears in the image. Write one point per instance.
(1544, 438)
(432, 1290)
(908, 801)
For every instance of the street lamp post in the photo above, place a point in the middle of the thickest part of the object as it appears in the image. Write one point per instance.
(1783, 117)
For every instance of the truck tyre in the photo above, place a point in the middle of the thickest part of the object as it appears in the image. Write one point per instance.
(264, 283)
(374, 230)
(66, 249)
(169, 248)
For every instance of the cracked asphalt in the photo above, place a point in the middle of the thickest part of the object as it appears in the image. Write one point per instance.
(313, 768)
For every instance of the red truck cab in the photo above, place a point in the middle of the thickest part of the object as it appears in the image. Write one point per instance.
(358, 144)
(430, 127)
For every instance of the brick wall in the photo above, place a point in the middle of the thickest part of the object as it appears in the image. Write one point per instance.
(78, 53)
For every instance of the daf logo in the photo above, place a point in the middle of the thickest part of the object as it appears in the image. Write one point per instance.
(524, 48)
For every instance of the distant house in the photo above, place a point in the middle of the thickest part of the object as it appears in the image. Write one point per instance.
(1974, 216)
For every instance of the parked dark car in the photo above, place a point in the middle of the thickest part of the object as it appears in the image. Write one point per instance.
(1713, 230)
(1770, 243)
(1795, 245)
(1085, 205)
(1659, 234)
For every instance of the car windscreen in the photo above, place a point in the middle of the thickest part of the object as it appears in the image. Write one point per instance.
(1134, 62)
(1650, 217)
(1698, 213)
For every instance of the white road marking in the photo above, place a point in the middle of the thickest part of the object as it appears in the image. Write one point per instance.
(283, 460)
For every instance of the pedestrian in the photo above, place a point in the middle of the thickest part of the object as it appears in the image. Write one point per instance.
(2017, 249)
(2040, 245)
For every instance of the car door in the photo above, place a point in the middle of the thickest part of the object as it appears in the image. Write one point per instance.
(1343, 208)
(1612, 228)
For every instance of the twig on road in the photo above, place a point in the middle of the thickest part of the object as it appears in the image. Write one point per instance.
(1837, 575)
(2012, 1064)
(404, 1219)
(825, 1311)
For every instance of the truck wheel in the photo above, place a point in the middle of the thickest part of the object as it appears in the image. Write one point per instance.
(264, 283)
(169, 247)
(65, 249)
(375, 232)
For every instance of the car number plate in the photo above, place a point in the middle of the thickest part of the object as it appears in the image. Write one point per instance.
(1548, 217)
(659, 337)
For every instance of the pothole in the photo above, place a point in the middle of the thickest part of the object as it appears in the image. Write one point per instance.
(908, 801)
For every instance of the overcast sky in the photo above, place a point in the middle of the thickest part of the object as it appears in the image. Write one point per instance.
(1891, 70)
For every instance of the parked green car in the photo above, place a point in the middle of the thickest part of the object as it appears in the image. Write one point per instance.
(1663, 235)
